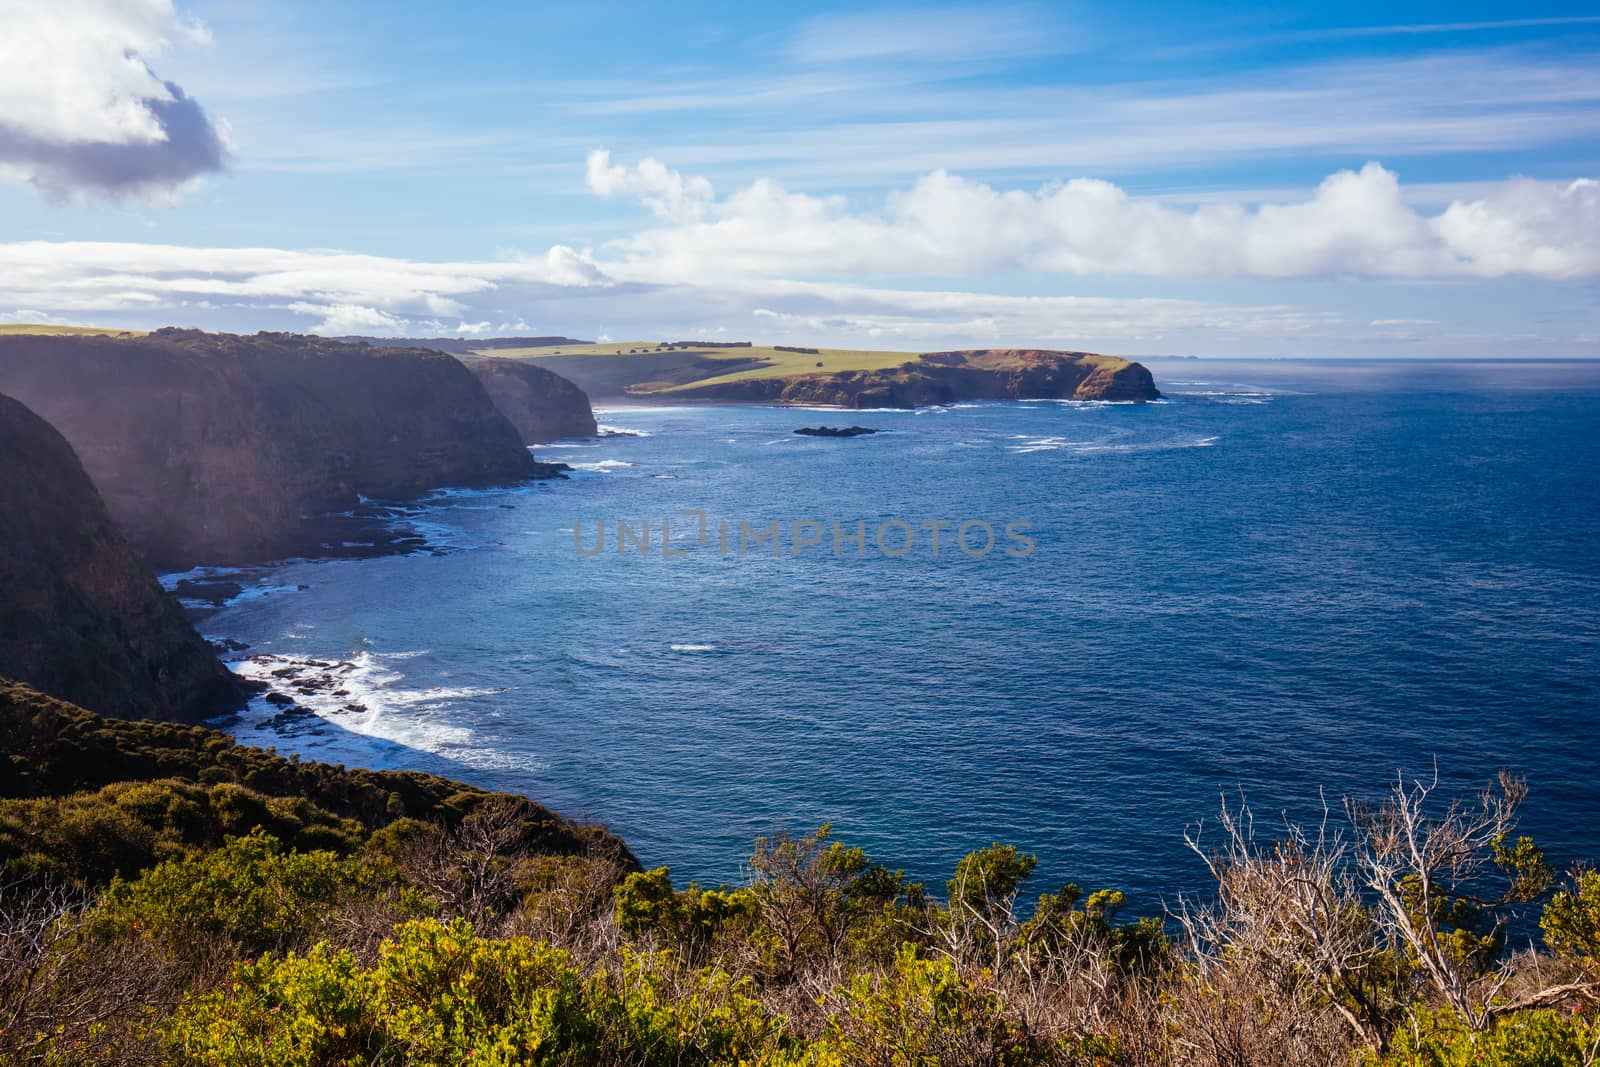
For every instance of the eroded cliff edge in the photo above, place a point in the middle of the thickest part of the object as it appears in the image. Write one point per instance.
(540, 403)
(218, 448)
(81, 618)
(945, 378)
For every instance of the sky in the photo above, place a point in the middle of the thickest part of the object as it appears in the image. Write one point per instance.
(1156, 177)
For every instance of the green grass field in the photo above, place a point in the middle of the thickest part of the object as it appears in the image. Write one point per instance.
(692, 366)
(34, 329)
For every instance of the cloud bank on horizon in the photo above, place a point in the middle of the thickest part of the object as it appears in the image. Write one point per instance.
(943, 256)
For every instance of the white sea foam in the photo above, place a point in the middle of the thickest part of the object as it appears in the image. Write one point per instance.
(366, 696)
(621, 431)
(170, 581)
(693, 648)
(1079, 405)
(1030, 445)
(602, 465)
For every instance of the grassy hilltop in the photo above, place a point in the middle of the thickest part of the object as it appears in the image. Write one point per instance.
(848, 377)
(38, 329)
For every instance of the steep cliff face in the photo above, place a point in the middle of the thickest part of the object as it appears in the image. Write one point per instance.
(541, 404)
(212, 448)
(948, 377)
(81, 617)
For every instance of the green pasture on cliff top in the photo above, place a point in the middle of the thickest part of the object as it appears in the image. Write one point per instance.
(37, 329)
(772, 362)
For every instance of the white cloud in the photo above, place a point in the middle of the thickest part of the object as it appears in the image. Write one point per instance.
(770, 264)
(1355, 223)
(341, 319)
(335, 293)
(345, 292)
(80, 107)
(664, 191)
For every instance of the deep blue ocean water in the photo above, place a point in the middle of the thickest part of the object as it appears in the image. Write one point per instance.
(1288, 578)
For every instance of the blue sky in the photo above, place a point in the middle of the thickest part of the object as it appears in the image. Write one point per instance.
(1154, 177)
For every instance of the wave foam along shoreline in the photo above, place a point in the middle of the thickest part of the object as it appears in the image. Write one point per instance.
(364, 696)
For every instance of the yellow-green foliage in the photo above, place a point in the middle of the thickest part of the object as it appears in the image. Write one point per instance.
(1571, 920)
(923, 1014)
(125, 828)
(441, 995)
(261, 911)
(1546, 1038)
(250, 890)
(84, 797)
(691, 919)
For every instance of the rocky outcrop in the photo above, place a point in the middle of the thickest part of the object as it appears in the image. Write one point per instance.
(81, 618)
(541, 404)
(835, 431)
(948, 377)
(216, 448)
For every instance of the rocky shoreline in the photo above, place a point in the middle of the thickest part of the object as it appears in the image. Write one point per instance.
(199, 453)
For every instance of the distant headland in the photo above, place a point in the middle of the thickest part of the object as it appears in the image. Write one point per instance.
(743, 372)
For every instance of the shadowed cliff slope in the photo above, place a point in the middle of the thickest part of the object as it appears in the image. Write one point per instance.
(80, 616)
(217, 448)
(540, 403)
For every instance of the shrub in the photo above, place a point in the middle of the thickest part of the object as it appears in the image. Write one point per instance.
(250, 890)
(1544, 1038)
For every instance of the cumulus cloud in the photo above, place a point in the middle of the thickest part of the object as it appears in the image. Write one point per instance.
(1355, 223)
(663, 190)
(82, 111)
(337, 320)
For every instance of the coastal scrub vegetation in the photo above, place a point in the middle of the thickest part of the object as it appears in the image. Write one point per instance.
(169, 896)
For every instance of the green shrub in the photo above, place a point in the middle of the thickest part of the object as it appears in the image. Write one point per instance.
(924, 1014)
(440, 995)
(1544, 1038)
(251, 890)
(1571, 920)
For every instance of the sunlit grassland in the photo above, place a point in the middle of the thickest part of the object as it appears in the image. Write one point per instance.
(41, 329)
(769, 361)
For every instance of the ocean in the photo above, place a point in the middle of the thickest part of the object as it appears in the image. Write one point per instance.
(1289, 581)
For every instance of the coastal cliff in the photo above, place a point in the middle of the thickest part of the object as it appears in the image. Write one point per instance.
(218, 448)
(81, 617)
(944, 378)
(541, 404)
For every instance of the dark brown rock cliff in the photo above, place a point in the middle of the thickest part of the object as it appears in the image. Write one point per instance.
(81, 617)
(216, 448)
(541, 404)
